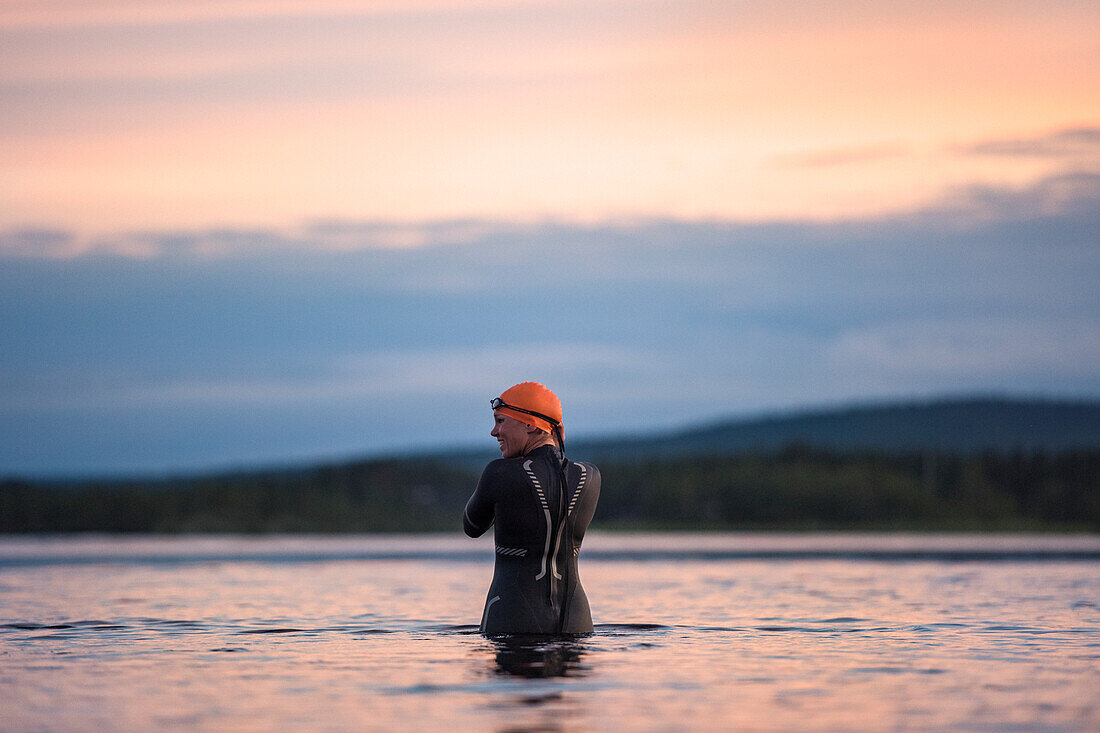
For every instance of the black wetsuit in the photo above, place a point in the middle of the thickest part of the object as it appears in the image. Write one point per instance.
(539, 528)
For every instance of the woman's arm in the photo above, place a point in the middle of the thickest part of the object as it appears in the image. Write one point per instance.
(481, 508)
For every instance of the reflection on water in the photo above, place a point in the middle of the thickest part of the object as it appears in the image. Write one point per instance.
(225, 640)
(539, 656)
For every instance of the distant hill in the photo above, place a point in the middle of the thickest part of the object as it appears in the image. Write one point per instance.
(948, 426)
(970, 464)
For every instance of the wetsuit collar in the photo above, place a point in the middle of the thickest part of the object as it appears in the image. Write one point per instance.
(555, 452)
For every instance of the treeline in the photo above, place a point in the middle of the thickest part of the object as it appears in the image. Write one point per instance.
(802, 488)
(374, 496)
(794, 488)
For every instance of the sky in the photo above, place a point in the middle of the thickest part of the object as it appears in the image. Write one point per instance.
(254, 232)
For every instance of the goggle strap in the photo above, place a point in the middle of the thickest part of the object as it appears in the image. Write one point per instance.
(497, 403)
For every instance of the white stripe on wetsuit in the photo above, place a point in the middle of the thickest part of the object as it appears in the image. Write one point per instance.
(485, 613)
(580, 485)
(546, 513)
(561, 529)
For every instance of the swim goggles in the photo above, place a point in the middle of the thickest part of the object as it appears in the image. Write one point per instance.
(496, 403)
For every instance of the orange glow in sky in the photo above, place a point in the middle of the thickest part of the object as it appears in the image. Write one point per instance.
(119, 115)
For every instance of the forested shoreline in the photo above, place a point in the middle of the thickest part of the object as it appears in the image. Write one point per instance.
(792, 488)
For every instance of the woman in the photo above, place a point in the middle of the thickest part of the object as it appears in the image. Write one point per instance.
(541, 504)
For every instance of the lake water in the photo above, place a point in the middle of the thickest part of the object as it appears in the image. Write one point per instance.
(756, 632)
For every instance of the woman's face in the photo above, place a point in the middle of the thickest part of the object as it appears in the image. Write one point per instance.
(511, 435)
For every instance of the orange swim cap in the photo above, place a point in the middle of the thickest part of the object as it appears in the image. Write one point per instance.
(534, 397)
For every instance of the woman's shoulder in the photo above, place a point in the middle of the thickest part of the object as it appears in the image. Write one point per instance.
(588, 467)
(502, 467)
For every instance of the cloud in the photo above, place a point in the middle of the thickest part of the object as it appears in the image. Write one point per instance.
(1080, 143)
(123, 113)
(214, 346)
(926, 351)
(1072, 194)
(338, 235)
(388, 373)
(1067, 194)
(40, 243)
(501, 244)
(319, 236)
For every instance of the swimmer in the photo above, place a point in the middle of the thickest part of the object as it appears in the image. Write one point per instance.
(541, 504)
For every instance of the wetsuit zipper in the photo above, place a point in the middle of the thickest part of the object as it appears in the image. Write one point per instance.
(563, 592)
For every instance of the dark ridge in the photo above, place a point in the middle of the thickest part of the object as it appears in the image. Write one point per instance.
(962, 425)
(966, 464)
